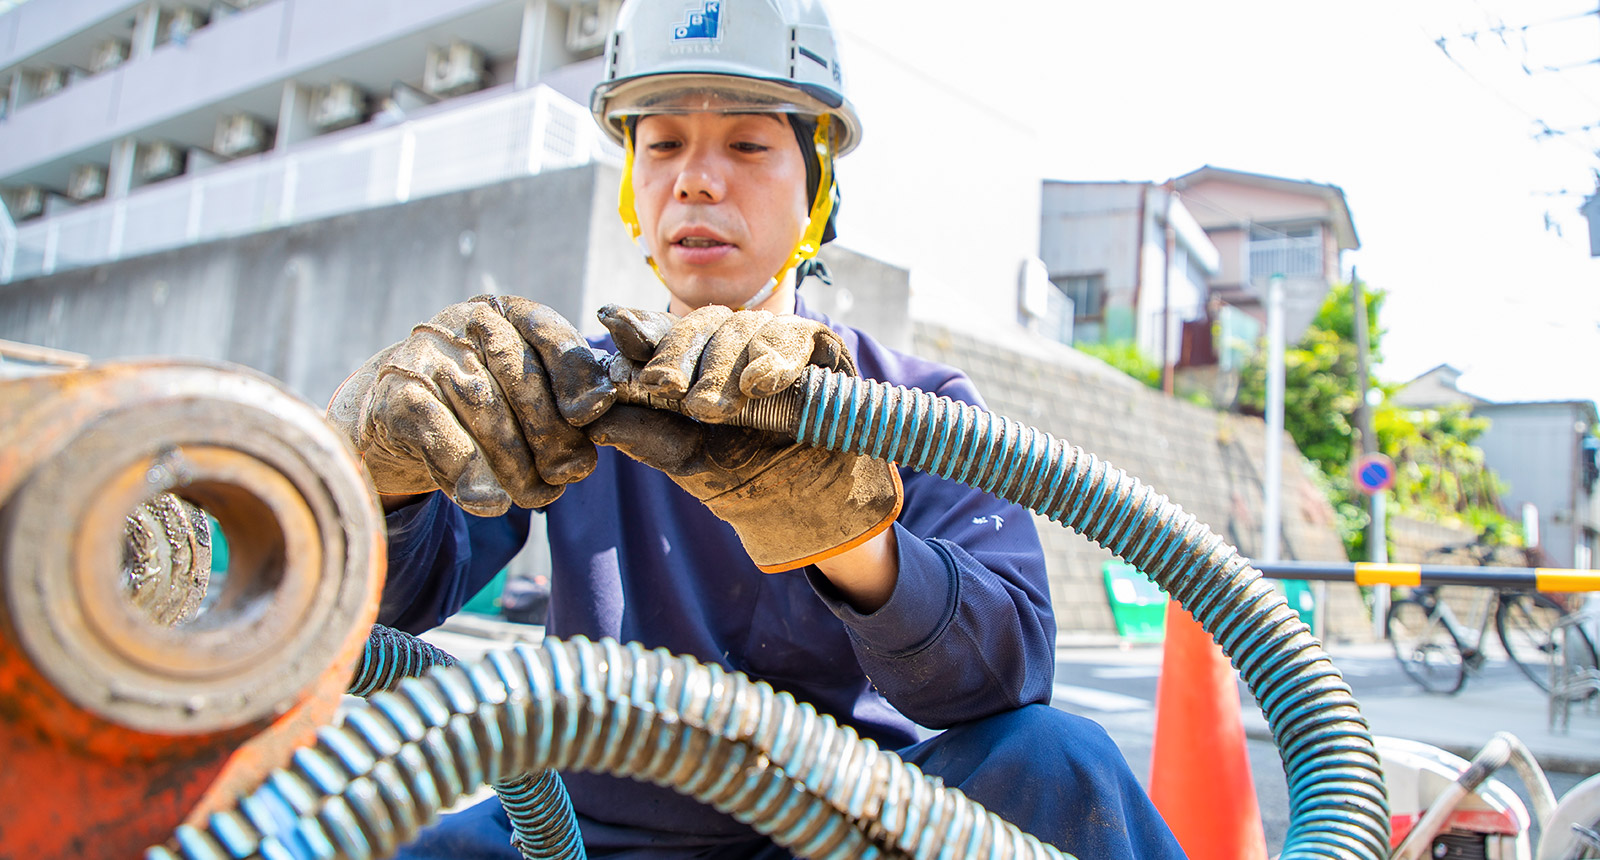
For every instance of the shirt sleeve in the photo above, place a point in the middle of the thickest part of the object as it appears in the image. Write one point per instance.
(440, 556)
(968, 631)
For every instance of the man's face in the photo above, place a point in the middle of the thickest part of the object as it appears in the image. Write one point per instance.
(721, 200)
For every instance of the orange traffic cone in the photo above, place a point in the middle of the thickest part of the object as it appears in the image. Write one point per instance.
(1199, 768)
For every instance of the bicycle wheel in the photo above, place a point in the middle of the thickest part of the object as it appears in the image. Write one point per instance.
(1526, 622)
(1425, 647)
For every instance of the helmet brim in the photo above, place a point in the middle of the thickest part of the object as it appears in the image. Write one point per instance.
(629, 98)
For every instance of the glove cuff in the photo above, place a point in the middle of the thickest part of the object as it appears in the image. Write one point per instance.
(822, 505)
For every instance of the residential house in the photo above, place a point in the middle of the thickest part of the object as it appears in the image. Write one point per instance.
(1545, 452)
(1125, 262)
(1266, 226)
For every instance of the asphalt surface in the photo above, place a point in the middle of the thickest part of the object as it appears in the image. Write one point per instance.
(1116, 686)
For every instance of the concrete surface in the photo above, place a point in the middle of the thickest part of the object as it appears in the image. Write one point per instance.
(1464, 722)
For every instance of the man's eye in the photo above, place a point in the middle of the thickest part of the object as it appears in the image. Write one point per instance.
(662, 146)
(748, 146)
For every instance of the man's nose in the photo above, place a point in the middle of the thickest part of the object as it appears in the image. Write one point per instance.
(702, 179)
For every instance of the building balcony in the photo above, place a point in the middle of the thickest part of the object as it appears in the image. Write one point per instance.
(1288, 256)
(517, 134)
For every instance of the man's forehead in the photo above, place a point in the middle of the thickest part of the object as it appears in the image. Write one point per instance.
(731, 115)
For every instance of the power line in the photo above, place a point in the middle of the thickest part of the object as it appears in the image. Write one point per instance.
(1507, 100)
(1547, 131)
(1502, 28)
(1523, 50)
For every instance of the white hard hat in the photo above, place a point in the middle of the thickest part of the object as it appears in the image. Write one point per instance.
(746, 55)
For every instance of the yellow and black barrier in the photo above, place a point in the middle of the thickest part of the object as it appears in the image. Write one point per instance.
(1372, 573)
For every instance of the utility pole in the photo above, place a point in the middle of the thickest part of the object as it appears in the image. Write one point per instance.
(1377, 534)
(1167, 369)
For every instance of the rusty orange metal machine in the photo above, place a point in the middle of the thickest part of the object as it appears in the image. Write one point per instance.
(117, 727)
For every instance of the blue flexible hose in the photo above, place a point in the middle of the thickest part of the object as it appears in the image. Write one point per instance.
(779, 766)
(1338, 805)
(543, 823)
(816, 788)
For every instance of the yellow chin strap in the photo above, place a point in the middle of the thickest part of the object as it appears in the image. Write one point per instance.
(810, 241)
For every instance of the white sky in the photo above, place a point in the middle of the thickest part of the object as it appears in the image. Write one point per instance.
(1448, 186)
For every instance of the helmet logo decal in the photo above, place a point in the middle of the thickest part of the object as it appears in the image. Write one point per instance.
(703, 23)
(811, 55)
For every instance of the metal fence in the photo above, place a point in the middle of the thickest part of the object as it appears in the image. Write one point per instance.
(1289, 256)
(518, 134)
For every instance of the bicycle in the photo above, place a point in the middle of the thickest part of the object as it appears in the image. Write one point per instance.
(1438, 652)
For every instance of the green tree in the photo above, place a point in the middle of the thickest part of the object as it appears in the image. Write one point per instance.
(1441, 475)
(1124, 355)
(1320, 396)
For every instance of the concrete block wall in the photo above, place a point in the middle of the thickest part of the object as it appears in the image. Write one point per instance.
(1208, 462)
(1415, 541)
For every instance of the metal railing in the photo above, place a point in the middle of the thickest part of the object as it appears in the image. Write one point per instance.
(518, 134)
(1290, 256)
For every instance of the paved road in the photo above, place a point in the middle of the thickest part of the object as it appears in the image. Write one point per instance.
(1117, 687)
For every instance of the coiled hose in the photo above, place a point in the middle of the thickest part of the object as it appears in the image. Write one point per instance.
(789, 772)
(543, 824)
(816, 788)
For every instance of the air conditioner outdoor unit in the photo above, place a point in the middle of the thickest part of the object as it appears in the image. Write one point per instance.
(589, 22)
(87, 182)
(159, 160)
(51, 81)
(338, 105)
(453, 70)
(239, 134)
(184, 21)
(25, 201)
(108, 55)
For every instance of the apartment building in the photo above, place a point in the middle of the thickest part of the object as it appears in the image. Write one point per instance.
(130, 127)
(134, 126)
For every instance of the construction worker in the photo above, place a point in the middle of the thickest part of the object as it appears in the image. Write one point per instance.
(895, 601)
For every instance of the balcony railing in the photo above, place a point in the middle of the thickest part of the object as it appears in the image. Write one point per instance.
(1289, 256)
(519, 134)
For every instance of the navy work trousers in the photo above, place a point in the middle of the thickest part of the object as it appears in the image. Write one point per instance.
(1055, 775)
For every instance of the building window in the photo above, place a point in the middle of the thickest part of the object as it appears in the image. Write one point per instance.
(1074, 308)
(1087, 292)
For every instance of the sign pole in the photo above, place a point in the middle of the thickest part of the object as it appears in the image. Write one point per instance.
(1374, 475)
(1272, 514)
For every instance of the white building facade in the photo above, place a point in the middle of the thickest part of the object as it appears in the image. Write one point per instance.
(133, 126)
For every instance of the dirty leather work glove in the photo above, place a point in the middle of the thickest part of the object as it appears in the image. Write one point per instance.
(484, 401)
(790, 504)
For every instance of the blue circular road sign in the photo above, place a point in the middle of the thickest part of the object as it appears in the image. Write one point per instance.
(1374, 473)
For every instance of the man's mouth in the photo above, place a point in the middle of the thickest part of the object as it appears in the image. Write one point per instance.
(699, 242)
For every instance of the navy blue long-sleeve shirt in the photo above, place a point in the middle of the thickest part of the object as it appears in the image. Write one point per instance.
(967, 633)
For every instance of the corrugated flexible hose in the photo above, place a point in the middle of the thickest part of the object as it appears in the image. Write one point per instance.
(543, 825)
(791, 773)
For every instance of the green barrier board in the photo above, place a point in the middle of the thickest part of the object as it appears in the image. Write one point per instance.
(1138, 606)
